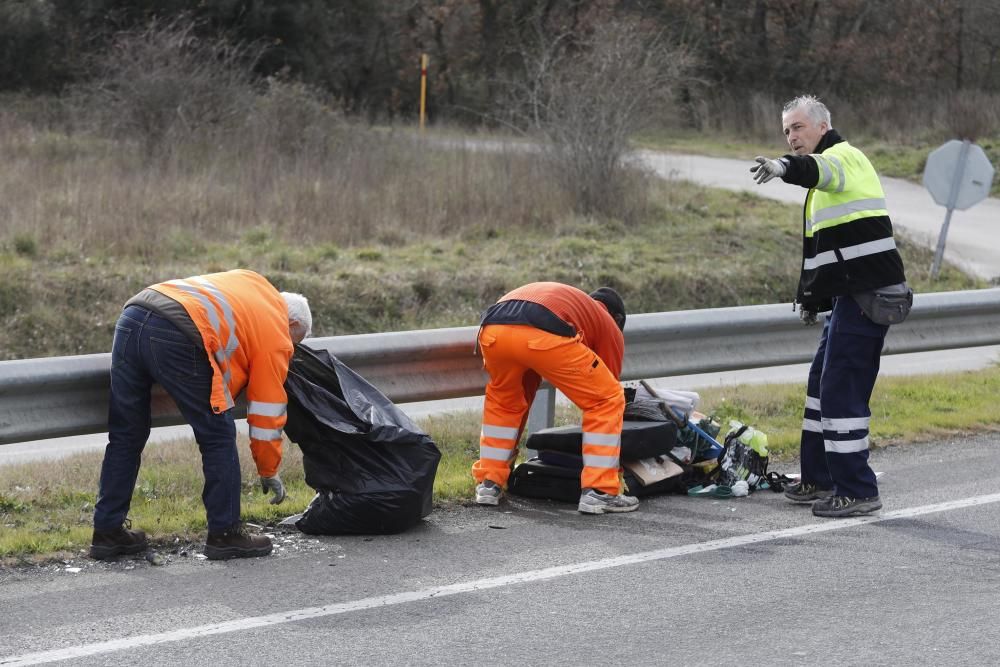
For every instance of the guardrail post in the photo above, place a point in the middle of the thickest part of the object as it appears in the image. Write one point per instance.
(543, 411)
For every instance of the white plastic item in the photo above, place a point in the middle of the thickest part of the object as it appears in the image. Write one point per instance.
(681, 401)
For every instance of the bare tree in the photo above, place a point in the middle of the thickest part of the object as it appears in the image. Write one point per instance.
(164, 82)
(585, 97)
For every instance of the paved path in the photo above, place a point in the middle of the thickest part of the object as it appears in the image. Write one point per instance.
(973, 237)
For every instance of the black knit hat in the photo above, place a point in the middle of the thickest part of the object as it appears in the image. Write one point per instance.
(614, 303)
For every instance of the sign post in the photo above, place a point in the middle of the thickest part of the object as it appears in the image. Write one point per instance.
(958, 175)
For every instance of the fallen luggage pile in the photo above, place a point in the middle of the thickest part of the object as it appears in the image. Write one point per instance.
(666, 447)
(372, 468)
(648, 436)
(555, 473)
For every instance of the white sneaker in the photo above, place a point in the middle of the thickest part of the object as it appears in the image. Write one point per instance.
(488, 493)
(595, 502)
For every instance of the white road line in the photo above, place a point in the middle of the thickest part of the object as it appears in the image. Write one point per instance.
(186, 634)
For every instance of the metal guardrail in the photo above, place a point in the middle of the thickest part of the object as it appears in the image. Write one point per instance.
(61, 396)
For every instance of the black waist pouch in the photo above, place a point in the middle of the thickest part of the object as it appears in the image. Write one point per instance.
(886, 305)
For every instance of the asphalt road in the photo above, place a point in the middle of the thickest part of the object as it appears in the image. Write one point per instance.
(690, 581)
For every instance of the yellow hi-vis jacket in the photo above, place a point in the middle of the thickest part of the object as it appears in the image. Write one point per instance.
(848, 244)
(243, 321)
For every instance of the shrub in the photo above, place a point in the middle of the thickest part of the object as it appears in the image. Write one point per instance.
(25, 245)
(164, 83)
(292, 118)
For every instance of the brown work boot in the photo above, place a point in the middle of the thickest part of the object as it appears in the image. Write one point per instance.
(107, 544)
(236, 542)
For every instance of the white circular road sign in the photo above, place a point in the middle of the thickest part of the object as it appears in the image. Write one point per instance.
(958, 174)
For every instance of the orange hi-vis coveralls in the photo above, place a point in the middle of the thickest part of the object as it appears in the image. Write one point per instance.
(243, 321)
(584, 365)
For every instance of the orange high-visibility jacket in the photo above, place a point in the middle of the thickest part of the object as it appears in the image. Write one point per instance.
(593, 323)
(243, 321)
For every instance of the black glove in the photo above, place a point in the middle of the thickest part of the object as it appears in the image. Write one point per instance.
(273, 484)
(766, 169)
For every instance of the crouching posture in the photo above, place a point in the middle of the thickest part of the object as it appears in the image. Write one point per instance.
(574, 341)
(204, 340)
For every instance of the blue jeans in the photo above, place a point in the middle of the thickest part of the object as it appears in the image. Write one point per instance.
(834, 445)
(147, 349)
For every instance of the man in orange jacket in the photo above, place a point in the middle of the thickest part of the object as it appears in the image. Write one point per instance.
(204, 339)
(573, 340)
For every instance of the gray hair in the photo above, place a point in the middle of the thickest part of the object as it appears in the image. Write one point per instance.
(299, 315)
(815, 109)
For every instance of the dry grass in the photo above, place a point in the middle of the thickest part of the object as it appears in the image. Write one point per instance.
(699, 248)
(75, 193)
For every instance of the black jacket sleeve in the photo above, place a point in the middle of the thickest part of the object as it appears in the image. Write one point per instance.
(801, 170)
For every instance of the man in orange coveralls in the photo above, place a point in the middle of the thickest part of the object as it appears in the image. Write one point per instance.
(204, 340)
(573, 340)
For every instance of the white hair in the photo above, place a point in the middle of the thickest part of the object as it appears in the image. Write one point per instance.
(299, 315)
(815, 109)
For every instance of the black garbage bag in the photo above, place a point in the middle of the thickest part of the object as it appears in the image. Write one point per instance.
(372, 468)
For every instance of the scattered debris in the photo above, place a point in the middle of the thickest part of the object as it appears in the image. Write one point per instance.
(155, 558)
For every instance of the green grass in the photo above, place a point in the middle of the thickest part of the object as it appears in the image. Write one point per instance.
(696, 248)
(47, 507)
(904, 409)
(908, 161)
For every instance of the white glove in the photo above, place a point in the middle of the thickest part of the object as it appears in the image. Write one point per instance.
(273, 484)
(807, 316)
(766, 169)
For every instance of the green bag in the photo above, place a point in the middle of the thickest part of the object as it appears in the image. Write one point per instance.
(744, 456)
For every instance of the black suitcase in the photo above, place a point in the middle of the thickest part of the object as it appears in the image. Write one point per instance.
(534, 479)
(640, 439)
(556, 476)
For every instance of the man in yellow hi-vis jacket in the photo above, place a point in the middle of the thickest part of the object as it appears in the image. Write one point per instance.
(848, 251)
(204, 339)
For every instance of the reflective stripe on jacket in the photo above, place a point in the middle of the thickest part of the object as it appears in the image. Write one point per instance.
(848, 243)
(243, 321)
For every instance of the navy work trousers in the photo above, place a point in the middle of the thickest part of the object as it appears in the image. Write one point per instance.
(147, 349)
(834, 447)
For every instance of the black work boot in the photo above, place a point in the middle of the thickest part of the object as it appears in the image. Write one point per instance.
(107, 544)
(236, 542)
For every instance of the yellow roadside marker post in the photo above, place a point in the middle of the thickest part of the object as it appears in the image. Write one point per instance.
(423, 89)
